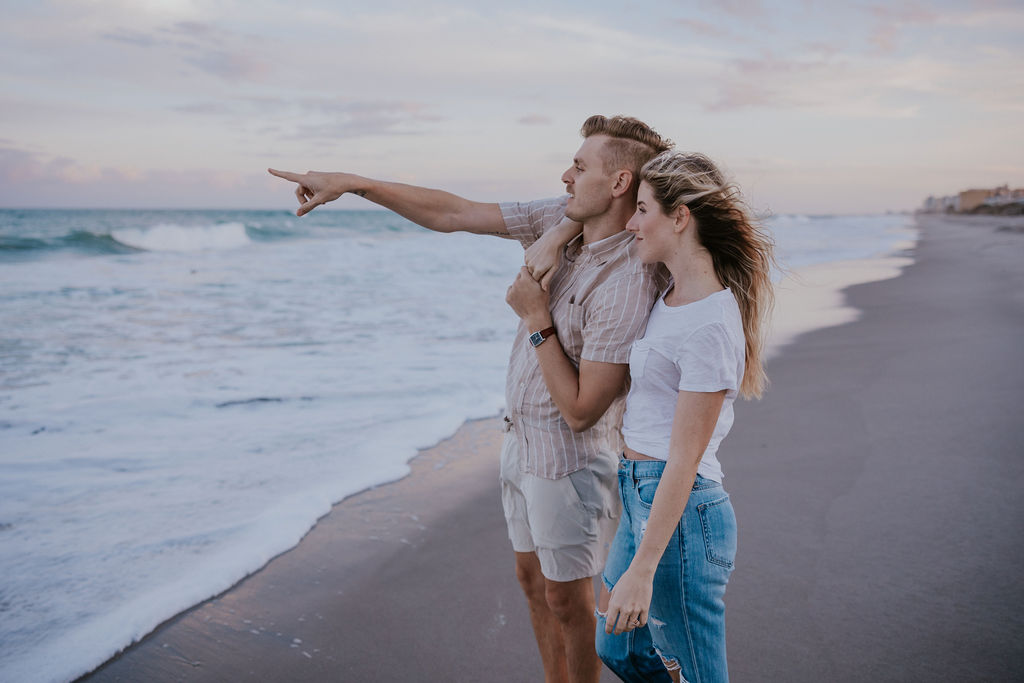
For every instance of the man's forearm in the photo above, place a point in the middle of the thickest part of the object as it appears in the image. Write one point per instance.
(581, 396)
(433, 209)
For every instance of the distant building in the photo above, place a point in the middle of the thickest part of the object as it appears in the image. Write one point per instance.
(941, 204)
(972, 199)
(1002, 196)
(997, 200)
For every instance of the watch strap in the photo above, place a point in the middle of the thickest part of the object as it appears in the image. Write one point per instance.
(537, 338)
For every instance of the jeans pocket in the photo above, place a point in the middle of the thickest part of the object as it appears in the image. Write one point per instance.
(718, 522)
(646, 487)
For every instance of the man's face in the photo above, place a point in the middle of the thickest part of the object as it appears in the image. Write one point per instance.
(589, 187)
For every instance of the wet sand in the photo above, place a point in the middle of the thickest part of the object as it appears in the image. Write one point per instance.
(876, 488)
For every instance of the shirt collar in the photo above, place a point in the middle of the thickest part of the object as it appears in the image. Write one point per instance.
(600, 250)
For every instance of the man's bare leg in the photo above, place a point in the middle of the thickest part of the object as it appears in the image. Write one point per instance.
(562, 613)
(546, 628)
(572, 603)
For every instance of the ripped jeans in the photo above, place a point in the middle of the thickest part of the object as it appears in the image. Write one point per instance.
(687, 615)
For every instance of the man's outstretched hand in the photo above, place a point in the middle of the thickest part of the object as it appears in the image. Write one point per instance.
(316, 188)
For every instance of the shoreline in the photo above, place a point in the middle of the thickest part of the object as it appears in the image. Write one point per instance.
(809, 298)
(813, 297)
(356, 542)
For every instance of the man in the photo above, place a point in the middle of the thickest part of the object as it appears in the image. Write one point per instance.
(564, 398)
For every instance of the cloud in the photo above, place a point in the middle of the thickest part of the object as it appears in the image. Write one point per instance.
(321, 117)
(892, 22)
(19, 165)
(32, 179)
(205, 108)
(130, 37)
(227, 65)
(738, 8)
(534, 120)
(705, 29)
(345, 119)
(857, 85)
(213, 50)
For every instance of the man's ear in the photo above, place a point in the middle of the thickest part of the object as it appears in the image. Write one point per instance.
(623, 180)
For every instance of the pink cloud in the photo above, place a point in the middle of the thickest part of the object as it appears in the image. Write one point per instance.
(30, 179)
(893, 20)
(704, 29)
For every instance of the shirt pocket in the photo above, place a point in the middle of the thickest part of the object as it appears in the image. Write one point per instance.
(570, 331)
(638, 358)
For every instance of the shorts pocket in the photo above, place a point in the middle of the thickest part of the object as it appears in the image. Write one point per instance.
(583, 483)
(718, 522)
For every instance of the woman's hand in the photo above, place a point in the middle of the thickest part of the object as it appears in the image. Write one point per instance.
(529, 301)
(630, 601)
(543, 256)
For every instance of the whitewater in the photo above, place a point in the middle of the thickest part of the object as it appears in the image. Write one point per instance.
(184, 393)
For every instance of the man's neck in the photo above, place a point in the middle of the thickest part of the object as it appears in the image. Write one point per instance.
(607, 224)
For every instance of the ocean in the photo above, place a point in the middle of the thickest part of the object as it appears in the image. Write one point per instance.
(184, 393)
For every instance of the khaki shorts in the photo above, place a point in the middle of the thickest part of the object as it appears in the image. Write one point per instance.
(568, 522)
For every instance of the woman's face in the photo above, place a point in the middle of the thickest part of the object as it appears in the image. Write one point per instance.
(655, 234)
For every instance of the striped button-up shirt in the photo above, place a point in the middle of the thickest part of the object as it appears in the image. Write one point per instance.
(601, 295)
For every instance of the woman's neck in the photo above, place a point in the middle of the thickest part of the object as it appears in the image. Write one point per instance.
(693, 278)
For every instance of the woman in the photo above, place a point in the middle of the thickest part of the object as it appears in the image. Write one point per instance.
(702, 347)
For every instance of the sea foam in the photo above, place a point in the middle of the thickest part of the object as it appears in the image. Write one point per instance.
(171, 237)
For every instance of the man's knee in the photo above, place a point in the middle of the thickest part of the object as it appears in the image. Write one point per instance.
(570, 599)
(530, 577)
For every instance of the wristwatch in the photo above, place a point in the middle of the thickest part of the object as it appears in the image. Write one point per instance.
(537, 338)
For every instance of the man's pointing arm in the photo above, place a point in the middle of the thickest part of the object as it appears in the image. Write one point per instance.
(433, 209)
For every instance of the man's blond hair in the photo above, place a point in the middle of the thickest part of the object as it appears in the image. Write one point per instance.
(633, 143)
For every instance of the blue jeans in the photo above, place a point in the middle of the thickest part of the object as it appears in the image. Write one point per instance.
(687, 615)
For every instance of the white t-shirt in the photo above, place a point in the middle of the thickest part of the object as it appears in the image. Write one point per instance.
(696, 347)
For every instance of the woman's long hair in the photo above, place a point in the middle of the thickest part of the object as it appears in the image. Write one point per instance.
(741, 250)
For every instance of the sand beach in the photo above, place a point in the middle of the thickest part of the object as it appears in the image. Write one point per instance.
(876, 487)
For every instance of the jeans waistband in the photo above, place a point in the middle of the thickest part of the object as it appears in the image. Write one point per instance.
(652, 469)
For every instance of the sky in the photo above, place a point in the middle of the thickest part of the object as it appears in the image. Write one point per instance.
(813, 107)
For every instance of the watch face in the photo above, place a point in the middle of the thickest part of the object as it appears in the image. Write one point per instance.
(536, 338)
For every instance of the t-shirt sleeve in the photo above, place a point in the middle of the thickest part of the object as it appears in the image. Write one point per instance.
(707, 360)
(527, 221)
(616, 317)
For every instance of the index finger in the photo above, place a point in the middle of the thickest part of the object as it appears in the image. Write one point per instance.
(287, 175)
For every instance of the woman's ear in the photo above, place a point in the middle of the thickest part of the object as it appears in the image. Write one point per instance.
(681, 216)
